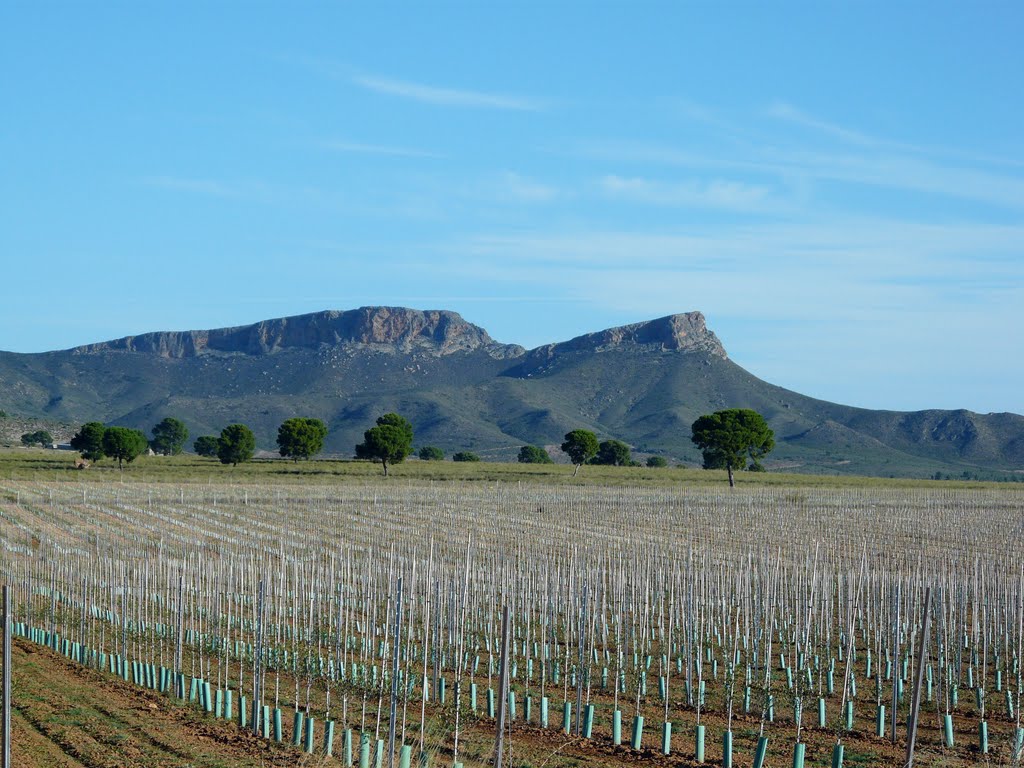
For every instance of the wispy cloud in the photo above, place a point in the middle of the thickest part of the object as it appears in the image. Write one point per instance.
(717, 193)
(781, 110)
(340, 145)
(448, 97)
(882, 165)
(798, 258)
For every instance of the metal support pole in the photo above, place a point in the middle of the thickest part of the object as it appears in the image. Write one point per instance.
(394, 676)
(916, 702)
(502, 689)
(896, 666)
(6, 763)
(579, 664)
(181, 623)
(257, 661)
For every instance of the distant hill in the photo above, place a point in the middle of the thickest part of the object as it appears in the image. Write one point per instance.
(643, 384)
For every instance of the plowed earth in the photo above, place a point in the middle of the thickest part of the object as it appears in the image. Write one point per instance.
(65, 715)
(68, 716)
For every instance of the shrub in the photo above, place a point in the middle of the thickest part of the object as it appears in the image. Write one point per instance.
(534, 454)
(206, 445)
(40, 437)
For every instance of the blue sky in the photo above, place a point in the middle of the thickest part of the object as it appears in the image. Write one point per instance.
(839, 187)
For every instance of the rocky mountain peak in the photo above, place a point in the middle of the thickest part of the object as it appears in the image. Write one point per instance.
(686, 332)
(437, 332)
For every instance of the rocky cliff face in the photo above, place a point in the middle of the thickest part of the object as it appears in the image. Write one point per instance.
(685, 332)
(435, 332)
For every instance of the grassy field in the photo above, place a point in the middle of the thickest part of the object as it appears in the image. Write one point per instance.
(41, 464)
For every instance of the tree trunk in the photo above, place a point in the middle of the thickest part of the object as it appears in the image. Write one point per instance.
(732, 482)
(385, 468)
(577, 469)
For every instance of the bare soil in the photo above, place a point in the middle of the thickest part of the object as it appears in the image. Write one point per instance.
(69, 716)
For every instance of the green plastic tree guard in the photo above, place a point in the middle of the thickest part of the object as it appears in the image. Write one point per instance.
(799, 750)
(638, 732)
(760, 752)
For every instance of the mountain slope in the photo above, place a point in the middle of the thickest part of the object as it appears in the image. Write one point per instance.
(643, 383)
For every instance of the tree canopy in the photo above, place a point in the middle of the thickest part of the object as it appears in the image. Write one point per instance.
(581, 446)
(657, 461)
(88, 441)
(613, 453)
(431, 453)
(169, 437)
(40, 437)
(465, 456)
(124, 444)
(206, 445)
(728, 438)
(389, 441)
(534, 454)
(236, 444)
(300, 438)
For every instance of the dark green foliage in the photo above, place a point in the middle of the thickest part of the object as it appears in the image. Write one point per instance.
(431, 453)
(124, 444)
(169, 437)
(613, 453)
(301, 438)
(534, 454)
(389, 441)
(88, 441)
(581, 446)
(728, 438)
(236, 444)
(40, 437)
(657, 461)
(465, 456)
(206, 445)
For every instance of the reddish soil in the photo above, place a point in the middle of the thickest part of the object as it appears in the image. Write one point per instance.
(69, 716)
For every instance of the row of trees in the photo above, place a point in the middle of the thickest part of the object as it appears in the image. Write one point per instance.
(94, 441)
(298, 438)
(433, 453)
(582, 447)
(728, 439)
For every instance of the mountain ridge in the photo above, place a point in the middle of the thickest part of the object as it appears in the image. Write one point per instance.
(643, 383)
